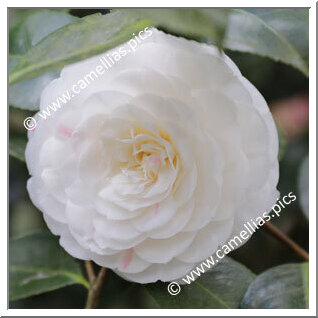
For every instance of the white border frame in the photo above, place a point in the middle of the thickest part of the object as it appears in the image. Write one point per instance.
(312, 163)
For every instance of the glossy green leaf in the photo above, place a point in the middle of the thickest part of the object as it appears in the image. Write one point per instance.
(117, 293)
(200, 23)
(34, 27)
(76, 41)
(280, 34)
(17, 147)
(303, 186)
(23, 36)
(223, 286)
(38, 264)
(259, 34)
(292, 23)
(16, 15)
(281, 287)
(27, 94)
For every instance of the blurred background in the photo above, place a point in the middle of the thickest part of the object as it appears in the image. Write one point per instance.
(286, 91)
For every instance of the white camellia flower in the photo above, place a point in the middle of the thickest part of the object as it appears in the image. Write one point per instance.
(155, 164)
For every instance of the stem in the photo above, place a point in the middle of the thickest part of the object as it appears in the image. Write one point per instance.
(90, 271)
(96, 289)
(286, 240)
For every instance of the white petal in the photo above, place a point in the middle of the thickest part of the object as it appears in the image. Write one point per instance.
(176, 223)
(164, 250)
(207, 241)
(164, 272)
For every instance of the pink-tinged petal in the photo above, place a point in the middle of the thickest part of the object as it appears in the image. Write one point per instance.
(155, 159)
(128, 258)
(157, 208)
(65, 130)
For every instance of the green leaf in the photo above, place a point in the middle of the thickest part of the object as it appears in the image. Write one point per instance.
(293, 24)
(76, 41)
(274, 35)
(303, 186)
(117, 293)
(16, 15)
(34, 27)
(17, 147)
(221, 287)
(23, 36)
(281, 287)
(38, 264)
(280, 34)
(209, 23)
(27, 94)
